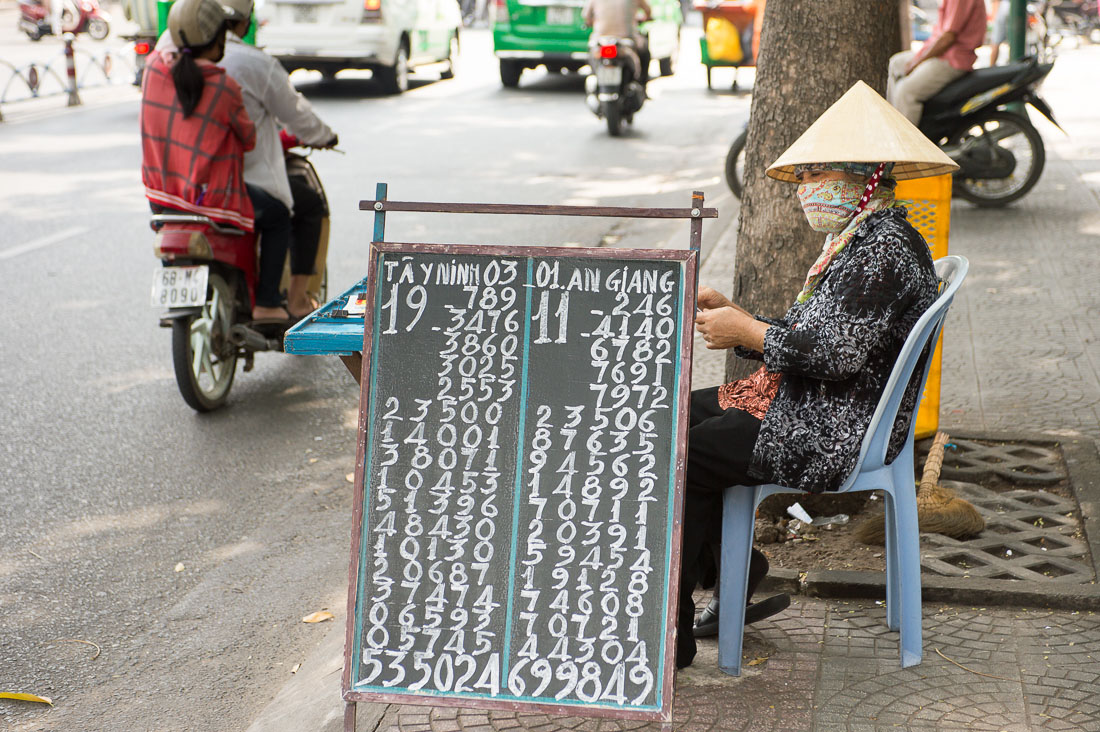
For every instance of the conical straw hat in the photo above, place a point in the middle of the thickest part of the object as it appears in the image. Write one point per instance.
(862, 127)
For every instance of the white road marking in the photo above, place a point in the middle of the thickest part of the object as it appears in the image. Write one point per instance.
(44, 241)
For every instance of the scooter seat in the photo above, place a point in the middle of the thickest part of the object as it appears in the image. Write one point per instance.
(973, 83)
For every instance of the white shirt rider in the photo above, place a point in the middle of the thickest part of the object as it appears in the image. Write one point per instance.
(271, 101)
(616, 18)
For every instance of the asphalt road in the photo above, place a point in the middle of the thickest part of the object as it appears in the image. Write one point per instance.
(155, 564)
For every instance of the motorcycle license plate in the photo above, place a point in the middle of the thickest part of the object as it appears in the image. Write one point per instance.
(556, 15)
(609, 75)
(180, 287)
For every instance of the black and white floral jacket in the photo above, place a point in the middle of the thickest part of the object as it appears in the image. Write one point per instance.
(835, 352)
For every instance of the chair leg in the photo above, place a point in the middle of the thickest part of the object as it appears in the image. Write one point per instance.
(738, 511)
(893, 573)
(906, 539)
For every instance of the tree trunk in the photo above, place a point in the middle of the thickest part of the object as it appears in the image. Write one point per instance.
(810, 54)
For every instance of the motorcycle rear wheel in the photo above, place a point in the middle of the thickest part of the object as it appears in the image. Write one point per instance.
(1025, 144)
(614, 117)
(735, 164)
(205, 361)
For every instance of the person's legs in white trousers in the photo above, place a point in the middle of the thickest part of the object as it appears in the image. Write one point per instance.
(908, 93)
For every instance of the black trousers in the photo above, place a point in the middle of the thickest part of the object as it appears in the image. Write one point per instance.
(309, 212)
(273, 225)
(720, 443)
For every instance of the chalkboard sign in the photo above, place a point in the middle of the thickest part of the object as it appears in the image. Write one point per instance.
(522, 445)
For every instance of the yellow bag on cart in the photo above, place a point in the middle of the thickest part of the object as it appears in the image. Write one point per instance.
(723, 40)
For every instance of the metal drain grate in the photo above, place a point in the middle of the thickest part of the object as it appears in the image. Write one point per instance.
(1029, 535)
(1022, 463)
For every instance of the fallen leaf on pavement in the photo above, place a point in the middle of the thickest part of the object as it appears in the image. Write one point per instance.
(757, 661)
(25, 697)
(318, 617)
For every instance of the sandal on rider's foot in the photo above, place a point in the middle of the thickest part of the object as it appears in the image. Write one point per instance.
(271, 326)
(297, 318)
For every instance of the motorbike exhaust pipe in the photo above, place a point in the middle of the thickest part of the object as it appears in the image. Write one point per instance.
(242, 336)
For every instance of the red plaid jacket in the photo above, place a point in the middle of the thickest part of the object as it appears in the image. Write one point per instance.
(196, 164)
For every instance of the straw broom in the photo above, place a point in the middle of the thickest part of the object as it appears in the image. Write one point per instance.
(939, 510)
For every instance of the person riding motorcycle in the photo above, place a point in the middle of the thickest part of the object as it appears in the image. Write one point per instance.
(192, 164)
(194, 127)
(914, 77)
(619, 18)
(273, 103)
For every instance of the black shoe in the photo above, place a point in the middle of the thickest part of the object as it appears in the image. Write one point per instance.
(707, 624)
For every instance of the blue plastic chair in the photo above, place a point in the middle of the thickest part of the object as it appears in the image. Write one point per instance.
(896, 480)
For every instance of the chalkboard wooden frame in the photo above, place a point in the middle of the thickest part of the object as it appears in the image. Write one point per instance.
(688, 264)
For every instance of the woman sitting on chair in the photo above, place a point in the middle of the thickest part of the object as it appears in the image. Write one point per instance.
(800, 419)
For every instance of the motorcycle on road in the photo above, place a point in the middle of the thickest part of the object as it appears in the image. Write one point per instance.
(77, 16)
(978, 123)
(613, 90)
(207, 283)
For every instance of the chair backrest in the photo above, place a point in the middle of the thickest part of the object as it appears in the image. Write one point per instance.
(872, 454)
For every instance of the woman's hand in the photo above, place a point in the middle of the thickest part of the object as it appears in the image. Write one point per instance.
(711, 299)
(729, 326)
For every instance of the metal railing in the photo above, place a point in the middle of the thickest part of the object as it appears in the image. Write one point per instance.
(68, 72)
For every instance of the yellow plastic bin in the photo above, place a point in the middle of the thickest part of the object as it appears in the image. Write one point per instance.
(930, 214)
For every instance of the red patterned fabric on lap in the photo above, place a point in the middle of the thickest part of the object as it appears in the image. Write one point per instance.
(753, 394)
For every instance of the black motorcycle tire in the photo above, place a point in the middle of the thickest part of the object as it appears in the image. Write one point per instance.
(212, 334)
(733, 157)
(614, 117)
(970, 190)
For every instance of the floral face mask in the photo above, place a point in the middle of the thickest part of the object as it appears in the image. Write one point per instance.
(830, 204)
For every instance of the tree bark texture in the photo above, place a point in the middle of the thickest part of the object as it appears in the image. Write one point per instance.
(810, 54)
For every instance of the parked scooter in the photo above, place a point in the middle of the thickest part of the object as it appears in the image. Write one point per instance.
(77, 16)
(207, 282)
(1072, 17)
(975, 121)
(613, 90)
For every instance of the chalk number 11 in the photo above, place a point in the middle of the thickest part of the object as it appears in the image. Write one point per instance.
(543, 317)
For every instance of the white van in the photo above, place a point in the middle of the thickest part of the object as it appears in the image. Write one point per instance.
(389, 37)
